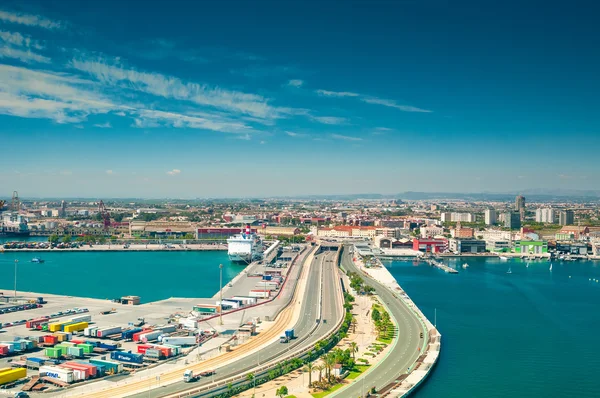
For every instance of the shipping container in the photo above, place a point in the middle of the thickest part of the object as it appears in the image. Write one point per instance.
(9, 346)
(32, 324)
(82, 318)
(136, 336)
(108, 346)
(93, 370)
(127, 357)
(53, 352)
(75, 327)
(109, 331)
(260, 293)
(34, 363)
(56, 326)
(150, 336)
(166, 328)
(246, 299)
(190, 323)
(128, 334)
(87, 348)
(76, 352)
(229, 304)
(267, 277)
(80, 372)
(50, 339)
(8, 375)
(181, 341)
(207, 309)
(110, 366)
(141, 348)
(55, 372)
(175, 349)
(3, 349)
(154, 353)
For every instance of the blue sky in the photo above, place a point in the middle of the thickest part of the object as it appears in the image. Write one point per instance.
(234, 98)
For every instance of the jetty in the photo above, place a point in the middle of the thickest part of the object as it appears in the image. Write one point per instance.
(440, 265)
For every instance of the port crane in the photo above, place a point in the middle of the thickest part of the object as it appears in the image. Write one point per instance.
(104, 214)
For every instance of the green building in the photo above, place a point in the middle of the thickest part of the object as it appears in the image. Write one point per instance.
(531, 247)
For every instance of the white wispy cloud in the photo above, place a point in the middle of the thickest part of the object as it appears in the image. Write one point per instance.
(174, 172)
(295, 83)
(26, 56)
(106, 125)
(109, 172)
(153, 118)
(393, 104)
(371, 100)
(17, 39)
(30, 20)
(329, 119)
(292, 134)
(174, 88)
(327, 93)
(345, 137)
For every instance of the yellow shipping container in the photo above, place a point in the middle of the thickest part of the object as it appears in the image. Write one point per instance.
(76, 327)
(6, 376)
(61, 336)
(55, 327)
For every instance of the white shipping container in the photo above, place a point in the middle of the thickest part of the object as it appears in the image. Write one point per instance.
(166, 328)
(55, 372)
(150, 336)
(246, 300)
(268, 287)
(82, 318)
(108, 331)
(231, 304)
(10, 345)
(259, 293)
(190, 323)
(180, 340)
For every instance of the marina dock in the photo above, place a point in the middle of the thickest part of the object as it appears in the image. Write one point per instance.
(440, 265)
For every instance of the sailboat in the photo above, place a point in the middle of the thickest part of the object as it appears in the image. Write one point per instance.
(527, 266)
(465, 266)
(509, 271)
(550, 267)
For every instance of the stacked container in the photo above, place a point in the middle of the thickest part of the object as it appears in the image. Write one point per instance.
(110, 366)
(127, 357)
(55, 372)
(8, 375)
(75, 327)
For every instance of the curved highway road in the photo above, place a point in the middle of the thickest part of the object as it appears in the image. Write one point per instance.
(402, 355)
(321, 271)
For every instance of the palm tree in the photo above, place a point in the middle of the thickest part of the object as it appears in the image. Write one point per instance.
(310, 354)
(309, 368)
(353, 323)
(319, 368)
(353, 349)
(329, 362)
(282, 391)
(250, 378)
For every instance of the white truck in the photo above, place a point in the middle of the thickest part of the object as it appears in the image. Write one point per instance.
(189, 376)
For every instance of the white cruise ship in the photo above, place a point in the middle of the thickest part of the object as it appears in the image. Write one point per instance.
(244, 247)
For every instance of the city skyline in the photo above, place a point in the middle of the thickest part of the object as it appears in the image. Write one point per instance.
(233, 99)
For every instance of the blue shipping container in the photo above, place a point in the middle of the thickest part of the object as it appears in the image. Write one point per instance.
(127, 357)
(108, 346)
(128, 334)
(267, 277)
(38, 360)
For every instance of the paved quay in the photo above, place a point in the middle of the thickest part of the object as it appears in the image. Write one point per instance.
(134, 247)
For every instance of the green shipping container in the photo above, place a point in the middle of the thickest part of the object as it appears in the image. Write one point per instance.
(53, 352)
(87, 348)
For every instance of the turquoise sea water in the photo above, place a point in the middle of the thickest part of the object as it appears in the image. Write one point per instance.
(150, 275)
(531, 333)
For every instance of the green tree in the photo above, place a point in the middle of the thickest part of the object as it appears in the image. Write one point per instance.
(319, 368)
(282, 391)
(189, 236)
(118, 217)
(53, 238)
(375, 315)
(354, 349)
(66, 239)
(309, 368)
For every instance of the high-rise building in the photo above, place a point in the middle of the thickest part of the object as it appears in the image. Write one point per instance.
(446, 217)
(545, 216)
(566, 217)
(512, 220)
(490, 217)
(519, 203)
(63, 209)
(456, 217)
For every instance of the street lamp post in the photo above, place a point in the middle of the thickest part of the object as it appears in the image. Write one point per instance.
(221, 293)
(16, 262)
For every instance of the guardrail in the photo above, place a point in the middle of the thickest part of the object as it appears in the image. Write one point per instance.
(262, 370)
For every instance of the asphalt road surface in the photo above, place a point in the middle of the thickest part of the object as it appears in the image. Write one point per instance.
(323, 267)
(403, 355)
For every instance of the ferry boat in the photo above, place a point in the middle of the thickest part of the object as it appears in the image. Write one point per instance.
(37, 260)
(503, 258)
(244, 247)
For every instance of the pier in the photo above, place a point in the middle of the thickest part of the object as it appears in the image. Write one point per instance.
(440, 265)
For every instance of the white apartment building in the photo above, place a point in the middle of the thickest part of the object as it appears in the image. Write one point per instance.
(490, 217)
(493, 235)
(545, 215)
(462, 217)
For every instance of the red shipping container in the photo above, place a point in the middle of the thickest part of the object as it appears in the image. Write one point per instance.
(3, 350)
(34, 322)
(50, 339)
(143, 347)
(78, 341)
(93, 370)
(85, 370)
(136, 336)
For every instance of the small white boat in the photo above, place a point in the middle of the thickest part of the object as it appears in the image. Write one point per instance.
(503, 258)
(527, 266)
(550, 267)
(509, 271)
(465, 266)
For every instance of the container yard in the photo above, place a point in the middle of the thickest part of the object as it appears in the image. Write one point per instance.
(68, 340)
